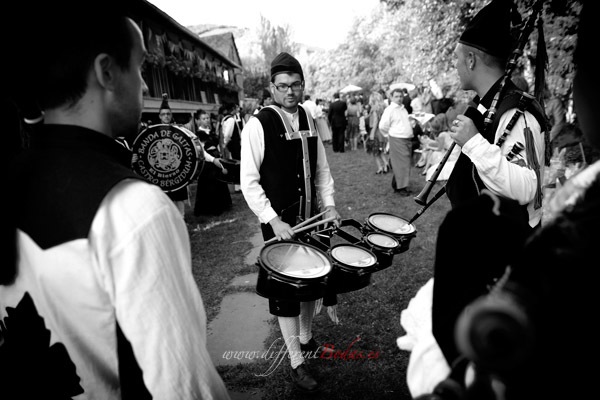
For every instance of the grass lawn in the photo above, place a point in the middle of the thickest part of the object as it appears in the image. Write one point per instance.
(220, 245)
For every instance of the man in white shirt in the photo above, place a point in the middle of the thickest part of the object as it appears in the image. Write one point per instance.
(310, 105)
(395, 125)
(272, 177)
(100, 302)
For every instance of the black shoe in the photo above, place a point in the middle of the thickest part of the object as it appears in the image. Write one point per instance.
(312, 350)
(303, 379)
(404, 192)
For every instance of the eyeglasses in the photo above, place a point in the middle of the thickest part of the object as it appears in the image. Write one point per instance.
(283, 88)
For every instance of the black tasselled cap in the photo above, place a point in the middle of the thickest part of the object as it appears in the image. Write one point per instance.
(490, 30)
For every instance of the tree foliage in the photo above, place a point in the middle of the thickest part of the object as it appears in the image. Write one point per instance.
(413, 41)
(272, 39)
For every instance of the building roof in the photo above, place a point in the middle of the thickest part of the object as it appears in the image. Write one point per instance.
(160, 23)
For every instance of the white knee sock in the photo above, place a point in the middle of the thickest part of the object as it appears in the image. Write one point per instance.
(307, 312)
(290, 329)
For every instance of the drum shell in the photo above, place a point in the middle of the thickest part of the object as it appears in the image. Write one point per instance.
(274, 285)
(346, 278)
(385, 255)
(403, 238)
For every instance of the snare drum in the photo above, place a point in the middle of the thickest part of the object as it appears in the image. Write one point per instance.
(352, 267)
(292, 271)
(383, 246)
(392, 225)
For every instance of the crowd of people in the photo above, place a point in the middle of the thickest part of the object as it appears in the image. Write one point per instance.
(97, 296)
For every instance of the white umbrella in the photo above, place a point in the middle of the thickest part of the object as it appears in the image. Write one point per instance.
(350, 89)
(402, 85)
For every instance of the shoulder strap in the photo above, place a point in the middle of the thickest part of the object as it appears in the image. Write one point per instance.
(288, 126)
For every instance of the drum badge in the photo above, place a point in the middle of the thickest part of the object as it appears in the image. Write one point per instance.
(165, 155)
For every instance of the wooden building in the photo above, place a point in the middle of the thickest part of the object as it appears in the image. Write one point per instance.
(194, 74)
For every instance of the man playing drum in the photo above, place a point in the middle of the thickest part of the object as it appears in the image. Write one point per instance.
(281, 175)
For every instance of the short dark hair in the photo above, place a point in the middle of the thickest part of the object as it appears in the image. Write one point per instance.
(67, 44)
(200, 113)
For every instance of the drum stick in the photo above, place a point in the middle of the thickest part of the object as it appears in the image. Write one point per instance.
(324, 221)
(304, 228)
(308, 220)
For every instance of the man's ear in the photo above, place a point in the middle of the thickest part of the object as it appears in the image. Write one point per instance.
(471, 60)
(104, 70)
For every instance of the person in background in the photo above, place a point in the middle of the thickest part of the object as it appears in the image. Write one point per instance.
(556, 112)
(406, 100)
(440, 129)
(421, 103)
(98, 299)
(310, 105)
(338, 120)
(363, 127)
(266, 100)
(322, 122)
(212, 193)
(179, 196)
(376, 142)
(273, 178)
(353, 114)
(232, 125)
(395, 126)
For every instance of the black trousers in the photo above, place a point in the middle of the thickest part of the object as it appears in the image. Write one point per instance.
(338, 138)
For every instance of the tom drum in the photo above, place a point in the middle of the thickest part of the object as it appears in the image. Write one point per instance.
(292, 271)
(352, 267)
(383, 246)
(392, 225)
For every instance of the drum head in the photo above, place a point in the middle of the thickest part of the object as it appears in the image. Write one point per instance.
(383, 241)
(165, 155)
(391, 224)
(295, 260)
(354, 256)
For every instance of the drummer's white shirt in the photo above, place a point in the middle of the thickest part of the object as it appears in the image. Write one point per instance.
(126, 272)
(252, 156)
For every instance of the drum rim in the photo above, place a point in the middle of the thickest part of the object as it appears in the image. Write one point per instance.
(292, 279)
(344, 266)
(372, 225)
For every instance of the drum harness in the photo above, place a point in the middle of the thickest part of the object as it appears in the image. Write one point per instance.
(301, 135)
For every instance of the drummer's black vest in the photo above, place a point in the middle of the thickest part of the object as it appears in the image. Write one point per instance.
(464, 182)
(282, 171)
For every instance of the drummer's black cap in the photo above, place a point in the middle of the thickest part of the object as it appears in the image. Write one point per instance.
(490, 30)
(284, 62)
(165, 103)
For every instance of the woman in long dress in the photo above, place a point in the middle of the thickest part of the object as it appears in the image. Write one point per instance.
(322, 122)
(212, 193)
